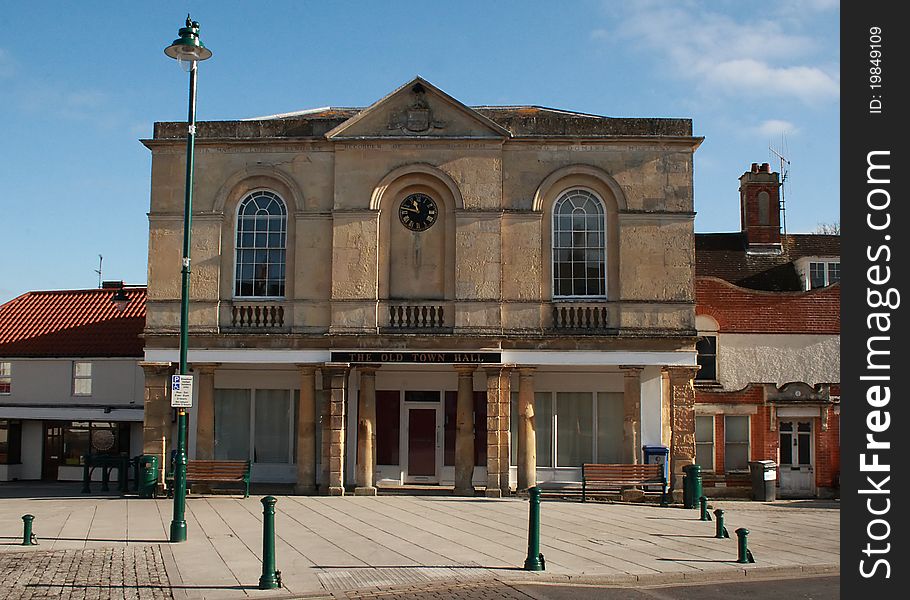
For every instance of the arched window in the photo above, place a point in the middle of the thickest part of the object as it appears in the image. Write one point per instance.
(261, 239)
(579, 248)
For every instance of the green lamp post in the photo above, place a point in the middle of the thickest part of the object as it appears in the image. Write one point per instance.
(187, 50)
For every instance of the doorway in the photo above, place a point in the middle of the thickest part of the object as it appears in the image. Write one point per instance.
(423, 466)
(797, 473)
(53, 451)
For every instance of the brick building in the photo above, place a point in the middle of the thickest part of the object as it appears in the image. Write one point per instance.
(768, 319)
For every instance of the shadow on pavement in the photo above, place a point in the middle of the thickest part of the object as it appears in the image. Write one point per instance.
(114, 586)
(54, 490)
(416, 567)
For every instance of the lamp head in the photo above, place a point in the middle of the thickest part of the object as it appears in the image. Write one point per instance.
(188, 48)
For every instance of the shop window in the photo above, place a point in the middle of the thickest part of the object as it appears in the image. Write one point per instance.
(6, 377)
(609, 427)
(82, 379)
(93, 437)
(388, 427)
(579, 246)
(574, 429)
(704, 442)
(10, 441)
(543, 421)
(255, 424)
(260, 247)
(736, 443)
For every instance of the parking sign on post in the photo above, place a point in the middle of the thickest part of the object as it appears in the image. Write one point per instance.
(181, 391)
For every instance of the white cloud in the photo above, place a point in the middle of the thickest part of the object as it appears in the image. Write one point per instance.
(753, 54)
(775, 128)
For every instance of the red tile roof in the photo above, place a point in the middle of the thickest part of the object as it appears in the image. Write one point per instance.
(72, 323)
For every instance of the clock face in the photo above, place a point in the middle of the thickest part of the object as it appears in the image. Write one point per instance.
(418, 212)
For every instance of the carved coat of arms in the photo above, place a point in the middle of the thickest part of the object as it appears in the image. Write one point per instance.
(417, 118)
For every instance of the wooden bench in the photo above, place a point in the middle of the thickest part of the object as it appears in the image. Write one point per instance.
(217, 471)
(610, 477)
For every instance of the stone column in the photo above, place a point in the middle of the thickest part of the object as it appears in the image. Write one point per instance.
(366, 432)
(494, 433)
(205, 411)
(527, 432)
(505, 408)
(682, 415)
(306, 431)
(333, 457)
(464, 431)
(631, 408)
(156, 425)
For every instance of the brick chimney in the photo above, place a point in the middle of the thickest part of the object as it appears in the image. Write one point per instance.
(759, 193)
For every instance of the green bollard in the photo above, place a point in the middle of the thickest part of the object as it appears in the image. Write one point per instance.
(28, 538)
(720, 531)
(704, 509)
(743, 555)
(271, 578)
(535, 560)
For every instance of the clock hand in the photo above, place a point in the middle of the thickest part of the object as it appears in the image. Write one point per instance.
(410, 209)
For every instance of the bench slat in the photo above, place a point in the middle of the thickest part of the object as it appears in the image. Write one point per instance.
(226, 471)
(598, 477)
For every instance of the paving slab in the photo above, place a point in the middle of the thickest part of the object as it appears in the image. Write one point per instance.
(335, 545)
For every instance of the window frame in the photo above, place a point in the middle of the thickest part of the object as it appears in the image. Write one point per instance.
(293, 395)
(6, 378)
(699, 375)
(712, 442)
(747, 443)
(827, 266)
(81, 378)
(235, 279)
(554, 231)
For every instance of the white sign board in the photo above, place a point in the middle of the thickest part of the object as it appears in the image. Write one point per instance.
(770, 475)
(182, 391)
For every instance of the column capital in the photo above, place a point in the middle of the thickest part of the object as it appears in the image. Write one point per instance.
(205, 368)
(524, 371)
(369, 369)
(308, 368)
(684, 373)
(159, 369)
(465, 370)
(631, 370)
(336, 368)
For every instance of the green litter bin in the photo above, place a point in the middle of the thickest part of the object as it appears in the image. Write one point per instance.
(692, 490)
(148, 476)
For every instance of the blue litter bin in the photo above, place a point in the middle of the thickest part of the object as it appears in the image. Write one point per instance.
(657, 455)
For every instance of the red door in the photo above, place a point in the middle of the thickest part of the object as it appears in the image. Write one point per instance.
(422, 443)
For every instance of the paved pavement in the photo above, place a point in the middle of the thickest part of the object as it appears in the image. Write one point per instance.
(110, 547)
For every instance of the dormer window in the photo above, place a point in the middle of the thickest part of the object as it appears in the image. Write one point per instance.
(822, 274)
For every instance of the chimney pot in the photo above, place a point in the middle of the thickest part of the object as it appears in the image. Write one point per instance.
(755, 167)
(765, 168)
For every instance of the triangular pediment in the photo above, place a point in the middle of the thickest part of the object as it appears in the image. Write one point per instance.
(418, 109)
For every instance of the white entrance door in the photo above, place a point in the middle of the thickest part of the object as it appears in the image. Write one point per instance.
(797, 472)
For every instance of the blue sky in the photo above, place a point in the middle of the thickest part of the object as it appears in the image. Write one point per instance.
(93, 79)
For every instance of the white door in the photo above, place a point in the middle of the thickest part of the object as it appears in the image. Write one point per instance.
(797, 472)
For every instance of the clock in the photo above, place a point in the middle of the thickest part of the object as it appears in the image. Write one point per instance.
(418, 212)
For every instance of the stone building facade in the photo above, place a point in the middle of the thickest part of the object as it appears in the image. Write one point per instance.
(768, 318)
(422, 292)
